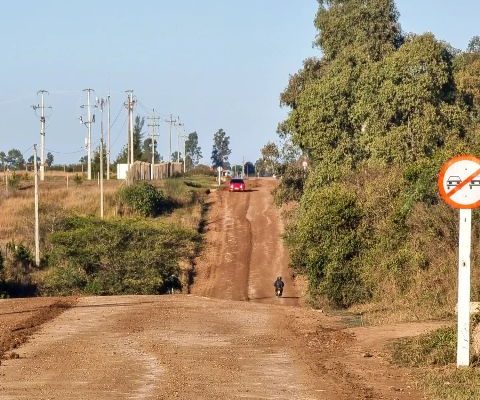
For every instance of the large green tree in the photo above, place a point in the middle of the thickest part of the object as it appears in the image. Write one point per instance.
(192, 150)
(221, 149)
(14, 159)
(376, 116)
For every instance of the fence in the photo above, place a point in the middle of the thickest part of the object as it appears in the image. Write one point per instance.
(143, 171)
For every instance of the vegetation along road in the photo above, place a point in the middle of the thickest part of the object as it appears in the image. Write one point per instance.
(207, 345)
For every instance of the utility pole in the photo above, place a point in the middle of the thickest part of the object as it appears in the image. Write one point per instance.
(153, 134)
(171, 121)
(37, 230)
(42, 107)
(88, 124)
(101, 103)
(184, 137)
(108, 137)
(129, 104)
(178, 138)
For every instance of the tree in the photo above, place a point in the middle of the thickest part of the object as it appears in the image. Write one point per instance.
(192, 150)
(3, 159)
(138, 149)
(370, 27)
(96, 161)
(249, 168)
(221, 149)
(30, 160)
(15, 159)
(147, 150)
(49, 159)
(270, 156)
(177, 156)
(474, 45)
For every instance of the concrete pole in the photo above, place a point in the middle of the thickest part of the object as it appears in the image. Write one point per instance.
(108, 138)
(184, 154)
(101, 104)
(132, 151)
(463, 307)
(37, 230)
(42, 136)
(89, 139)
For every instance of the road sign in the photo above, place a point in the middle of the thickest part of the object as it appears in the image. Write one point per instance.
(459, 182)
(459, 186)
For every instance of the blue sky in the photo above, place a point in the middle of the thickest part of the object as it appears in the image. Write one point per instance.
(215, 63)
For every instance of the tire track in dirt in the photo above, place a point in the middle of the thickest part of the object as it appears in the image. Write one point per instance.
(245, 248)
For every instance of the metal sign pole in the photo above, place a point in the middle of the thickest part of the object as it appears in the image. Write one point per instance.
(463, 307)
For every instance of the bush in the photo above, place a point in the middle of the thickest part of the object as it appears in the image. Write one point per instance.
(115, 257)
(15, 272)
(14, 180)
(78, 179)
(291, 185)
(144, 199)
(324, 244)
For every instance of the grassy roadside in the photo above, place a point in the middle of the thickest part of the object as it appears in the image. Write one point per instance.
(150, 235)
(432, 356)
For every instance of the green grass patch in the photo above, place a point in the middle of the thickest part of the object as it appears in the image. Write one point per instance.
(436, 348)
(435, 355)
(451, 383)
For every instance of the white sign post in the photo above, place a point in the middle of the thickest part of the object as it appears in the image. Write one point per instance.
(219, 169)
(463, 307)
(459, 186)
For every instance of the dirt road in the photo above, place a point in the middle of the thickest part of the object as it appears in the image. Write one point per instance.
(199, 347)
(246, 252)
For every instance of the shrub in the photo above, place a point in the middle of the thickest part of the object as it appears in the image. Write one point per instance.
(291, 185)
(144, 199)
(324, 244)
(14, 180)
(78, 179)
(16, 271)
(115, 257)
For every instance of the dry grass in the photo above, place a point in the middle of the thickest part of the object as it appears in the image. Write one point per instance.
(17, 206)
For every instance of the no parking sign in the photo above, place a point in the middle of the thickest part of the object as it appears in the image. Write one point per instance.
(459, 186)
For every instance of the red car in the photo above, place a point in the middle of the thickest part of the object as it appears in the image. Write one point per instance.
(236, 185)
